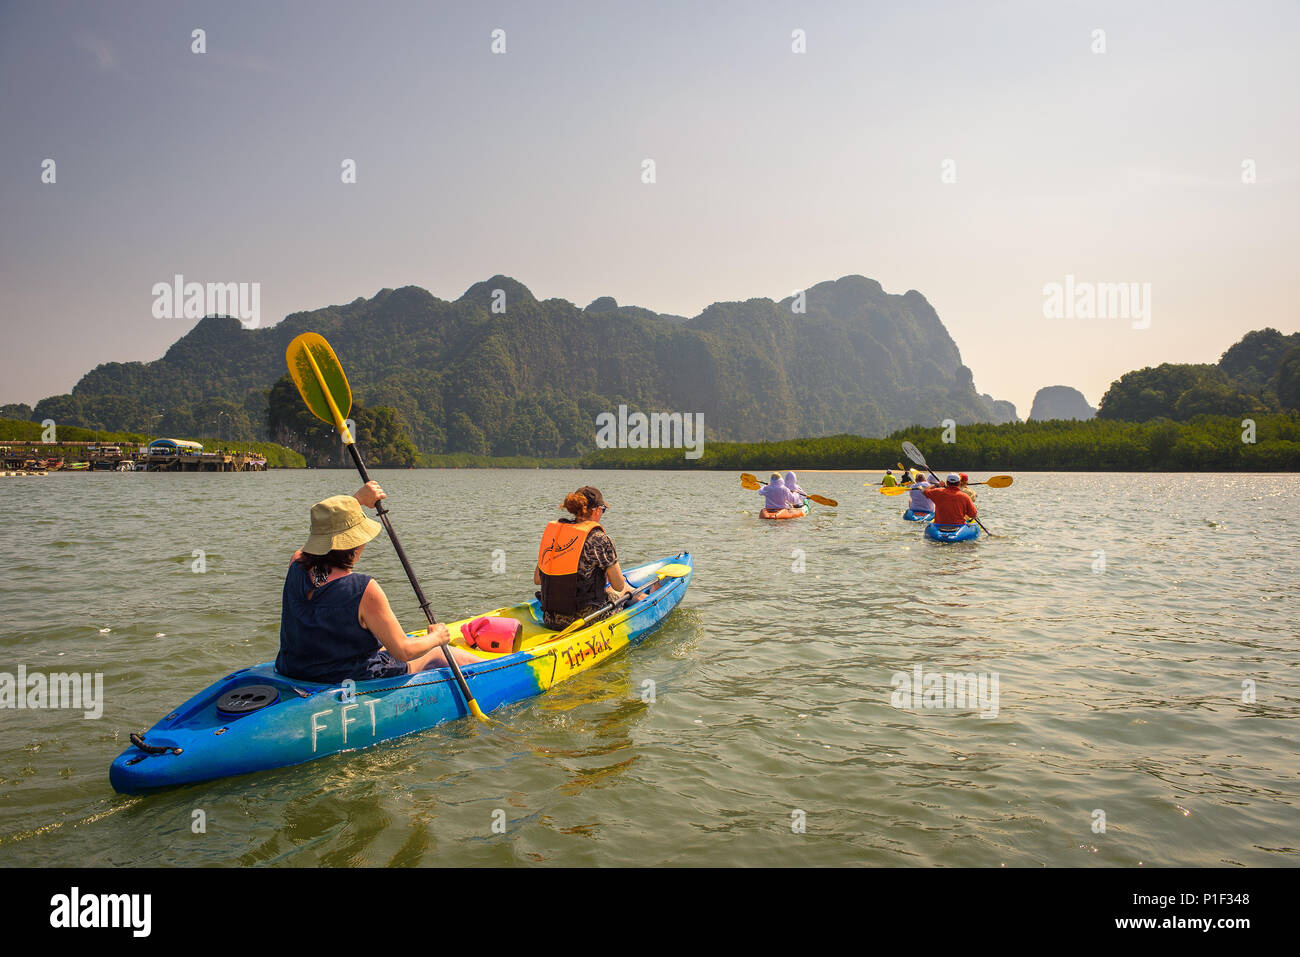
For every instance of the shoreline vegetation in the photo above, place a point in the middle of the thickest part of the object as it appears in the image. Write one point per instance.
(1203, 444)
(1221, 443)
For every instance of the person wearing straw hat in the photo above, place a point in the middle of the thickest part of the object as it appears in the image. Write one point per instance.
(336, 624)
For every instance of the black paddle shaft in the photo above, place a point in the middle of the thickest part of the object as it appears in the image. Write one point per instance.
(600, 612)
(419, 592)
(392, 537)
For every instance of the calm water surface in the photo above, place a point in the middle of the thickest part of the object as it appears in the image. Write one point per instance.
(1126, 618)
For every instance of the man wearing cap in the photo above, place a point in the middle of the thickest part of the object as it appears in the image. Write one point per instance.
(577, 564)
(952, 506)
(965, 486)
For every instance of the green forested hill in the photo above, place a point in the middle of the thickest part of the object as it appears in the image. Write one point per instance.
(1255, 360)
(1257, 375)
(463, 378)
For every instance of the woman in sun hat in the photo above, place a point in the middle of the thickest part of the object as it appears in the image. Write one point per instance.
(336, 624)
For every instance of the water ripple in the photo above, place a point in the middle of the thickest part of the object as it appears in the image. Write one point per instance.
(1142, 633)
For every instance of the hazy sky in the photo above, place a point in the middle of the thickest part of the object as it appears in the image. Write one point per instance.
(775, 170)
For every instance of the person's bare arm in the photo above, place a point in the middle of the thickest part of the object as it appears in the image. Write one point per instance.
(376, 616)
(616, 582)
(537, 574)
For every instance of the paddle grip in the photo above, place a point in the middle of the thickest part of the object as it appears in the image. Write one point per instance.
(392, 537)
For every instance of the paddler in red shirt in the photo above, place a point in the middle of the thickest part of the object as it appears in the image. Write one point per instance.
(952, 506)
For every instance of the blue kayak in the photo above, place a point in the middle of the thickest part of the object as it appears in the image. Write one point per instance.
(952, 533)
(912, 516)
(257, 718)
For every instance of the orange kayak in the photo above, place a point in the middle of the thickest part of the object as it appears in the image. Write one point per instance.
(773, 514)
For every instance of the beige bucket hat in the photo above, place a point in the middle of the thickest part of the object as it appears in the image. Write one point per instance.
(339, 523)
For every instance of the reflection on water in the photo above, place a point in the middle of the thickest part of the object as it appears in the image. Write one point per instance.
(1161, 690)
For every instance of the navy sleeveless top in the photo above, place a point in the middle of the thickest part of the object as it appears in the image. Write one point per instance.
(320, 637)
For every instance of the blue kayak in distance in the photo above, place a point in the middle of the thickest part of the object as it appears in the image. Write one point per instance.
(256, 718)
(911, 516)
(948, 534)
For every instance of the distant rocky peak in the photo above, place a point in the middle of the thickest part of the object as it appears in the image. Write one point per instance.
(485, 292)
(1061, 402)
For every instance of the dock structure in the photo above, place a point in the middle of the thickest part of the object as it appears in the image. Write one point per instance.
(158, 461)
(181, 455)
(164, 455)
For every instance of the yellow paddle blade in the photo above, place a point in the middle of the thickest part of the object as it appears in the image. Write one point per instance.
(316, 372)
(749, 482)
(999, 481)
(823, 500)
(893, 490)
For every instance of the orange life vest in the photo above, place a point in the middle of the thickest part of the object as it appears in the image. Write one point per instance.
(557, 558)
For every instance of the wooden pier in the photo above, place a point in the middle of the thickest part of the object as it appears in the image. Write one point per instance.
(99, 457)
(200, 462)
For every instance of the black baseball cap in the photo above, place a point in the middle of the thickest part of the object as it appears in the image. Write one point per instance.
(594, 498)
